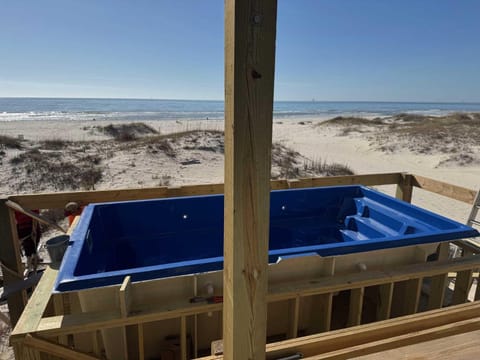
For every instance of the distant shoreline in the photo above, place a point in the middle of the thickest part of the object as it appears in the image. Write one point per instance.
(71, 109)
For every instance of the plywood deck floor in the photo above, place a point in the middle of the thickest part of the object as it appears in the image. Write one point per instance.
(462, 346)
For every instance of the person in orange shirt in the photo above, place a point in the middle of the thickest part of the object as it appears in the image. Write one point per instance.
(72, 209)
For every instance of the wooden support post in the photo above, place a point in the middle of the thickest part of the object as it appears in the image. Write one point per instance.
(141, 345)
(51, 348)
(384, 304)
(10, 258)
(58, 306)
(125, 297)
(438, 285)
(294, 315)
(443, 251)
(405, 188)
(463, 282)
(356, 305)
(250, 30)
(183, 338)
(322, 315)
(412, 296)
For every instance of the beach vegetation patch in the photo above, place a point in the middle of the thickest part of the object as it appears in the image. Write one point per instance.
(290, 164)
(55, 144)
(9, 142)
(127, 132)
(46, 170)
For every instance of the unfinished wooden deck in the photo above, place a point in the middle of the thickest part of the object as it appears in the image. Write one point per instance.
(54, 326)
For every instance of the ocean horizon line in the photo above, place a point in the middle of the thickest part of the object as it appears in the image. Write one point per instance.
(313, 100)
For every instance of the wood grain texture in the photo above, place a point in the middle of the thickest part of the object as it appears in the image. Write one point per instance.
(59, 199)
(384, 303)
(405, 188)
(356, 305)
(250, 30)
(438, 284)
(52, 348)
(376, 336)
(10, 257)
(439, 187)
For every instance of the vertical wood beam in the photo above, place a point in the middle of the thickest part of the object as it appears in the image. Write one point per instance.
(384, 306)
(405, 188)
(294, 316)
(250, 30)
(141, 345)
(412, 296)
(10, 257)
(463, 282)
(438, 284)
(183, 337)
(356, 306)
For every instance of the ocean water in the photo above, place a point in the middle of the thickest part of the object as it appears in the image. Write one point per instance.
(151, 109)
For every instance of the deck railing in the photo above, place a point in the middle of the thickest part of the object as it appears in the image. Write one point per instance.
(46, 325)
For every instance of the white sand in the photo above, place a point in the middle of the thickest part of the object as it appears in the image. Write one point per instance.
(128, 169)
(131, 169)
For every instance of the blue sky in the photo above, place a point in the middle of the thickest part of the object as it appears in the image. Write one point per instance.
(372, 50)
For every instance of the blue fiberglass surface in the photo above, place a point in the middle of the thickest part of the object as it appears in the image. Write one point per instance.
(177, 236)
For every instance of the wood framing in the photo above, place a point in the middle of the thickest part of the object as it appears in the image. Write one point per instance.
(346, 343)
(405, 188)
(445, 189)
(250, 29)
(317, 289)
(12, 267)
(59, 199)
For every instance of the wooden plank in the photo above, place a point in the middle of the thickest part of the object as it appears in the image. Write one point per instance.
(456, 347)
(404, 188)
(95, 343)
(67, 324)
(359, 335)
(58, 305)
(60, 199)
(10, 258)
(37, 304)
(369, 278)
(366, 179)
(13, 205)
(477, 291)
(141, 343)
(463, 282)
(356, 305)
(52, 348)
(443, 251)
(452, 191)
(384, 303)
(294, 315)
(416, 337)
(438, 285)
(125, 296)
(321, 313)
(412, 295)
(250, 30)
(183, 338)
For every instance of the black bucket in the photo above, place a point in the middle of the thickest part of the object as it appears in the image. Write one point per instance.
(56, 247)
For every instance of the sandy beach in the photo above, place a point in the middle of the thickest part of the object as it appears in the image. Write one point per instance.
(173, 153)
(44, 156)
(191, 152)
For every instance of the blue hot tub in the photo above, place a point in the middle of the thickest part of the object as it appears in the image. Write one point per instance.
(176, 236)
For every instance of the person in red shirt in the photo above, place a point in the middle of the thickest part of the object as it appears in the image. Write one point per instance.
(29, 234)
